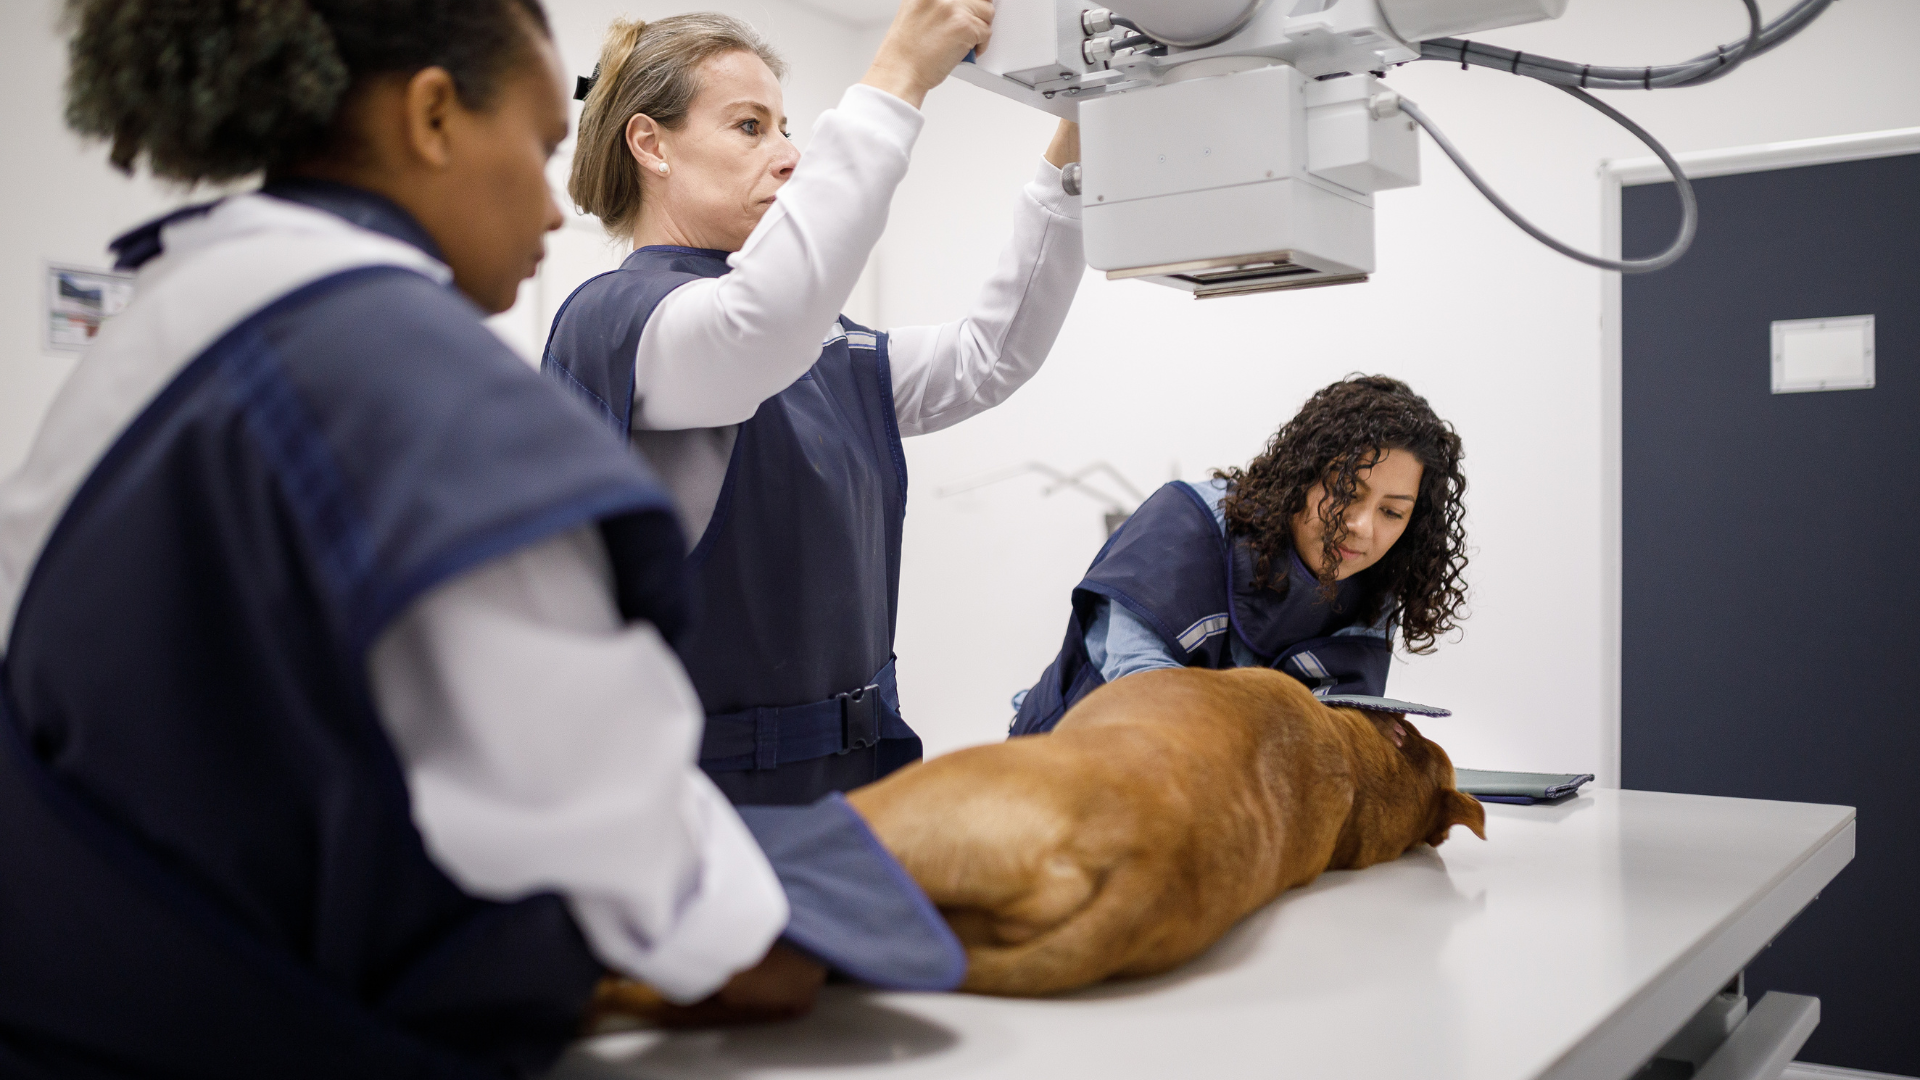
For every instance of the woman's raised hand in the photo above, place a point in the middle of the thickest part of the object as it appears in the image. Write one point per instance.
(926, 40)
(1064, 150)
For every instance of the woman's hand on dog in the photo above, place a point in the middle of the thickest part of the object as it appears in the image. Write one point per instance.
(1390, 726)
(782, 986)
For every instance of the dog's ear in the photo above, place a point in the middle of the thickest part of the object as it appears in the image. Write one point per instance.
(1459, 809)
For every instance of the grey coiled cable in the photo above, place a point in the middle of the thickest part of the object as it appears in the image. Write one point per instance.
(1689, 206)
(1701, 69)
(1573, 78)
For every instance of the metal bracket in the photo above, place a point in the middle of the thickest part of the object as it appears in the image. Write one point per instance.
(1763, 1044)
(1728, 1041)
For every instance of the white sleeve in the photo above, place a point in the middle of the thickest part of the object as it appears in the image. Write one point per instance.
(550, 746)
(714, 349)
(944, 374)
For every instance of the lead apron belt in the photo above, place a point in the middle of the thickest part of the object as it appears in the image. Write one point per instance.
(765, 738)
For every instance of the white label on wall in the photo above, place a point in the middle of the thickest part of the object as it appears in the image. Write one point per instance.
(1823, 354)
(79, 299)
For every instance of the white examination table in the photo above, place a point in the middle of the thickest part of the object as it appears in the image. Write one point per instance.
(1571, 944)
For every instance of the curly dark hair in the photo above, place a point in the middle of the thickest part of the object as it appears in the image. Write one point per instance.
(221, 89)
(1342, 430)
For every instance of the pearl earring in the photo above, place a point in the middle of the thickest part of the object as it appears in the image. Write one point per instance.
(663, 168)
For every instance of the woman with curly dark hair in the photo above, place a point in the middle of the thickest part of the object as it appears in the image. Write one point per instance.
(340, 734)
(1347, 530)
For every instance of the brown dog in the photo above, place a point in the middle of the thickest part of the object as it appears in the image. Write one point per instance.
(1161, 811)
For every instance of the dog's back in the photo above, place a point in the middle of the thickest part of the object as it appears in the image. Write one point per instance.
(1162, 810)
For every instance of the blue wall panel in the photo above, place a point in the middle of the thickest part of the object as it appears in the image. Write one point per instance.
(1771, 558)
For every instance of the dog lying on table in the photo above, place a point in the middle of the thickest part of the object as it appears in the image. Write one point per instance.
(1161, 811)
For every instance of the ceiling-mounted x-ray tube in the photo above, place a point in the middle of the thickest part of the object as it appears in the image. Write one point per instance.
(1236, 146)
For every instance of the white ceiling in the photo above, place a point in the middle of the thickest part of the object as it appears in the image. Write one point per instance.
(858, 12)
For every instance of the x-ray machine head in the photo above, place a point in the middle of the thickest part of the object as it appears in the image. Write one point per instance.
(1235, 146)
(1230, 146)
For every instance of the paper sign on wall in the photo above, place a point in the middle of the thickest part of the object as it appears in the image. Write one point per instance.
(1823, 354)
(79, 300)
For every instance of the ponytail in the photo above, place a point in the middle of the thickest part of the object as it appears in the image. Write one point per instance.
(623, 37)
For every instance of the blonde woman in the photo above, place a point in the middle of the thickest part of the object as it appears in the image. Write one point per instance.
(718, 350)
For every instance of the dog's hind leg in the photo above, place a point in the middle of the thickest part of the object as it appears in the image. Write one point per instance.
(1102, 937)
(1056, 890)
(998, 867)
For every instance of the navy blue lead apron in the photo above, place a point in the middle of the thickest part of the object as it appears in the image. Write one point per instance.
(208, 863)
(1171, 566)
(796, 579)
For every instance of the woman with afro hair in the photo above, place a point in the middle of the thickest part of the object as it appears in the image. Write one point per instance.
(340, 731)
(1346, 531)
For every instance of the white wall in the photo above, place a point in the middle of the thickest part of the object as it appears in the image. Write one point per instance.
(59, 202)
(1499, 333)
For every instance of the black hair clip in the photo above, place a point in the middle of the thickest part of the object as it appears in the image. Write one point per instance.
(584, 84)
